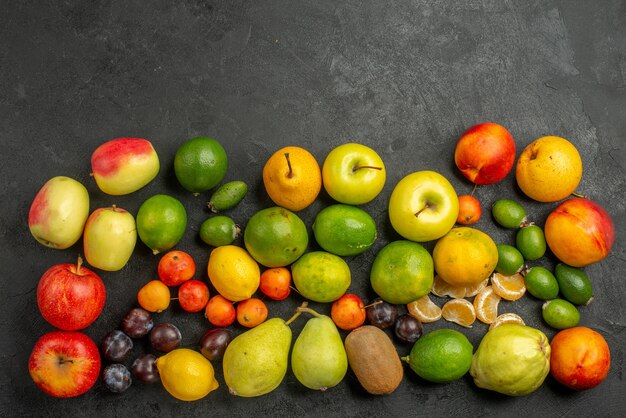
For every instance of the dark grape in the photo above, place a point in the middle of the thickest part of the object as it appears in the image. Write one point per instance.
(116, 377)
(381, 314)
(408, 328)
(165, 337)
(116, 346)
(144, 369)
(137, 323)
(214, 342)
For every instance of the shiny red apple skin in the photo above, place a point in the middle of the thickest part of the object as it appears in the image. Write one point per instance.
(485, 153)
(64, 364)
(70, 296)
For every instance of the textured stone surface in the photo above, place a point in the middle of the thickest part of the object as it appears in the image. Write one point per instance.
(405, 77)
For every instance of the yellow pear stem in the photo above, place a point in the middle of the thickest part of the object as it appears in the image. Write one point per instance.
(298, 312)
(290, 173)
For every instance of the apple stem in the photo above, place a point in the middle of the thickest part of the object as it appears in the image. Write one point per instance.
(79, 263)
(62, 361)
(358, 167)
(298, 312)
(290, 173)
(421, 210)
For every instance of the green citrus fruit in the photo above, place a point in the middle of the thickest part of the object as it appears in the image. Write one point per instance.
(275, 237)
(541, 283)
(321, 276)
(200, 164)
(508, 213)
(402, 272)
(531, 242)
(344, 230)
(219, 230)
(441, 356)
(510, 260)
(574, 284)
(560, 314)
(161, 222)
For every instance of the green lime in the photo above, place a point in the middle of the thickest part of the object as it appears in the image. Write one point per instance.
(531, 242)
(344, 230)
(161, 222)
(574, 284)
(508, 213)
(560, 314)
(441, 356)
(541, 283)
(510, 260)
(321, 276)
(200, 164)
(228, 195)
(219, 230)
(402, 272)
(275, 237)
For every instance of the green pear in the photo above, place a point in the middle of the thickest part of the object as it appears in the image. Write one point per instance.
(318, 358)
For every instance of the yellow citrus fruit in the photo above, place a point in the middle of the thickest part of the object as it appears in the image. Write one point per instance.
(154, 296)
(508, 287)
(549, 169)
(507, 318)
(442, 288)
(486, 305)
(424, 309)
(465, 256)
(460, 311)
(186, 374)
(292, 178)
(233, 272)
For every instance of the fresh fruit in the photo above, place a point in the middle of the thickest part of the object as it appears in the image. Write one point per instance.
(137, 323)
(251, 312)
(318, 357)
(423, 206)
(109, 238)
(144, 369)
(70, 296)
(460, 311)
(64, 364)
(442, 288)
(353, 174)
(580, 232)
(507, 318)
(154, 296)
(219, 230)
(233, 272)
(580, 358)
(560, 314)
(227, 196)
(58, 212)
(161, 222)
(485, 153)
(292, 178)
(424, 309)
(124, 165)
(176, 267)
(214, 342)
(511, 287)
(321, 276)
(486, 305)
(441, 356)
(116, 346)
(402, 272)
(381, 314)
(276, 283)
(510, 260)
(508, 213)
(165, 337)
(541, 283)
(186, 374)
(511, 359)
(473, 290)
(465, 256)
(344, 230)
(200, 164)
(469, 210)
(408, 328)
(374, 360)
(531, 242)
(220, 311)
(574, 284)
(116, 378)
(193, 295)
(348, 312)
(549, 169)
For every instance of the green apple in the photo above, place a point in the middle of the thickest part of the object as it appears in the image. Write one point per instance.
(353, 174)
(423, 206)
(110, 237)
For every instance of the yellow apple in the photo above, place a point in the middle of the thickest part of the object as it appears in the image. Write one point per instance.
(110, 238)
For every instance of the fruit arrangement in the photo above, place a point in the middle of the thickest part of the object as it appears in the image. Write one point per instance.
(461, 278)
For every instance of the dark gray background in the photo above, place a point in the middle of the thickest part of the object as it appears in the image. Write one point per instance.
(404, 77)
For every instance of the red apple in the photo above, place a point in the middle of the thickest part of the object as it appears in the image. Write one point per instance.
(64, 364)
(485, 153)
(70, 296)
(579, 232)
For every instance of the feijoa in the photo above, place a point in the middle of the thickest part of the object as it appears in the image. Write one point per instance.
(560, 314)
(219, 230)
(508, 213)
(510, 260)
(531, 242)
(227, 196)
(541, 283)
(574, 284)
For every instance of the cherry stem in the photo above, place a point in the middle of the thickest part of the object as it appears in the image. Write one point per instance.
(474, 189)
(309, 311)
(298, 312)
(378, 302)
(290, 173)
(358, 167)
(576, 194)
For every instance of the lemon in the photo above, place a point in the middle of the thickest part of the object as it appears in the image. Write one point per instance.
(344, 230)
(186, 374)
(161, 222)
(233, 272)
(200, 164)
(321, 276)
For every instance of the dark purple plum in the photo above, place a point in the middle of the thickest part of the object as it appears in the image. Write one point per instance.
(165, 337)
(381, 314)
(144, 369)
(116, 377)
(137, 323)
(116, 346)
(408, 329)
(214, 342)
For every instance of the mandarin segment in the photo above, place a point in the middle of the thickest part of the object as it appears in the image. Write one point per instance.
(424, 309)
(486, 305)
(507, 318)
(459, 311)
(508, 287)
(442, 288)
